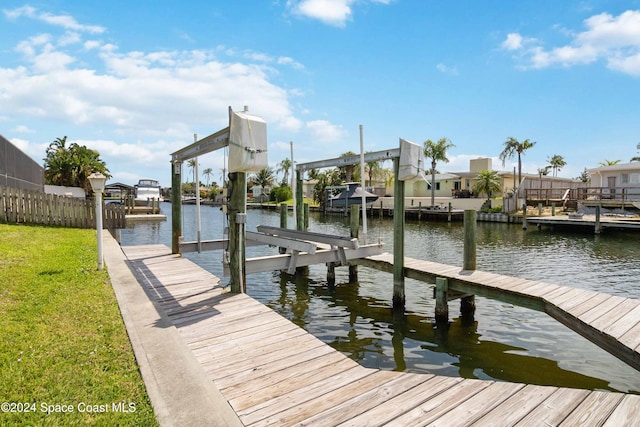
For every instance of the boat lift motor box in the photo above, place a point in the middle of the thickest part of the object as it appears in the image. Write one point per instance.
(411, 165)
(247, 143)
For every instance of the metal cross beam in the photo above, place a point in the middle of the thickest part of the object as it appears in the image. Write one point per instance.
(350, 160)
(213, 142)
(329, 239)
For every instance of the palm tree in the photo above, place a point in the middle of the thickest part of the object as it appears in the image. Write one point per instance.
(71, 166)
(437, 152)
(487, 182)
(191, 164)
(543, 171)
(609, 162)
(207, 173)
(373, 170)
(513, 146)
(264, 178)
(556, 162)
(347, 172)
(284, 167)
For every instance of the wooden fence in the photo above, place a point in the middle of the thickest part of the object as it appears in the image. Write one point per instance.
(33, 207)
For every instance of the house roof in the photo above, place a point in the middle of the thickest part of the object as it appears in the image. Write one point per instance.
(633, 166)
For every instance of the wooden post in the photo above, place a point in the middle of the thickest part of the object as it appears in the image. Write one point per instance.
(442, 308)
(283, 222)
(539, 209)
(598, 225)
(237, 205)
(331, 273)
(419, 211)
(524, 216)
(398, 239)
(449, 216)
(176, 206)
(354, 228)
(553, 209)
(468, 304)
(470, 217)
(306, 217)
(381, 210)
(300, 224)
(299, 202)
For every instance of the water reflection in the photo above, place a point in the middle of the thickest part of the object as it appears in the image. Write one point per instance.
(503, 343)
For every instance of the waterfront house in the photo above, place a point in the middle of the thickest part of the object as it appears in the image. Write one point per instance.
(615, 182)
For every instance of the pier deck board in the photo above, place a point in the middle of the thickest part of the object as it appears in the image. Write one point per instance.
(595, 316)
(273, 373)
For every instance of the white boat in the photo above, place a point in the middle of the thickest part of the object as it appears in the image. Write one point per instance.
(147, 189)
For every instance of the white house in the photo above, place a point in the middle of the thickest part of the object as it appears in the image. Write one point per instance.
(622, 178)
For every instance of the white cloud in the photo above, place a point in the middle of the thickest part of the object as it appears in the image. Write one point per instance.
(512, 42)
(612, 39)
(136, 107)
(330, 12)
(65, 21)
(325, 131)
(447, 70)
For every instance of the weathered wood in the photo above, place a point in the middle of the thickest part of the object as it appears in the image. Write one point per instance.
(398, 239)
(354, 228)
(237, 205)
(442, 308)
(272, 372)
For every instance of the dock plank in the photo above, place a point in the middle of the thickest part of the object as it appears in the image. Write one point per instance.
(273, 373)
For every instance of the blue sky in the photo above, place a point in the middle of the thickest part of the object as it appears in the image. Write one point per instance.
(136, 80)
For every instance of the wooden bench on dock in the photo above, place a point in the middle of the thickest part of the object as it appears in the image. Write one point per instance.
(274, 373)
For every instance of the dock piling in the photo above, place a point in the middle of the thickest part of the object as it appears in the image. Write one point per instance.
(468, 303)
(354, 228)
(442, 308)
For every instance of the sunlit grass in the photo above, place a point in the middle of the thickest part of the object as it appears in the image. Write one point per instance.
(62, 338)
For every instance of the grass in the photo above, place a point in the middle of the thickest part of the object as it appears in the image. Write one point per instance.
(63, 344)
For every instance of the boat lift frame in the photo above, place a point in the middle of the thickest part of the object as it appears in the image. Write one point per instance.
(301, 245)
(398, 208)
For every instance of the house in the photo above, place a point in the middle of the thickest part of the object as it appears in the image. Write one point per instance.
(620, 181)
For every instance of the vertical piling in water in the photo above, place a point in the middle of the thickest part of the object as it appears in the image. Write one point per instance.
(354, 226)
(449, 216)
(398, 239)
(176, 206)
(598, 225)
(442, 308)
(524, 216)
(468, 304)
(553, 209)
(306, 217)
(419, 211)
(380, 209)
(539, 209)
(237, 205)
(283, 222)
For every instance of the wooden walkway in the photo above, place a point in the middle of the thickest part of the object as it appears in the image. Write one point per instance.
(612, 322)
(274, 373)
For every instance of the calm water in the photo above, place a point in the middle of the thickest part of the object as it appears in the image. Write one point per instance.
(505, 342)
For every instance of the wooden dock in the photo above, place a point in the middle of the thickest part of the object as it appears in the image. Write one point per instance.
(274, 373)
(611, 322)
(587, 221)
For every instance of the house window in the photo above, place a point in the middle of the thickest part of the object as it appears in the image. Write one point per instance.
(457, 185)
(625, 178)
(437, 186)
(630, 178)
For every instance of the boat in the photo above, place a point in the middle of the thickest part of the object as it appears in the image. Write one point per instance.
(147, 189)
(352, 195)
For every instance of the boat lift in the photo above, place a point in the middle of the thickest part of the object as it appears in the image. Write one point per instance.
(246, 137)
(408, 165)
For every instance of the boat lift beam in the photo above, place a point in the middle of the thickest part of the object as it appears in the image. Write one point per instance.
(350, 160)
(290, 261)
(252, 239)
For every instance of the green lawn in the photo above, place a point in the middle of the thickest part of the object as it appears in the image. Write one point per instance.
(63, 345)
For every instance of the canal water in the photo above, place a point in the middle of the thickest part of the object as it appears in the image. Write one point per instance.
(503, 343)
